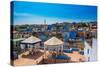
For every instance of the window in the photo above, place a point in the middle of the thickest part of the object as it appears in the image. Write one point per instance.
(88, 51)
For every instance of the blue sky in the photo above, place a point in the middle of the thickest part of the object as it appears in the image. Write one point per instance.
(36, 13)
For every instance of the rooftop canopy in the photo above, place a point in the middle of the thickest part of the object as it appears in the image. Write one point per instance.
(53, 41)
(31, 40)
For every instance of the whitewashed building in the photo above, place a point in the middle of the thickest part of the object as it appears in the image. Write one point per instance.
(90, 52)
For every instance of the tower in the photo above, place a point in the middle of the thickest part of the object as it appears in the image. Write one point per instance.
(45, 25)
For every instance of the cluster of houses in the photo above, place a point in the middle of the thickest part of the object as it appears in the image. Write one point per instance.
(90, 29)
(72, 36)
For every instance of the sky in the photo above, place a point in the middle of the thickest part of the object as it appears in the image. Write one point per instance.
(35, 13)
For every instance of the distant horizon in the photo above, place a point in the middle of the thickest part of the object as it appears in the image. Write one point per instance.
(55, 23)
(37, 13)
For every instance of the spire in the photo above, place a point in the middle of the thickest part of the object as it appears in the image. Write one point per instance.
(45, 24)
(45, 21)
